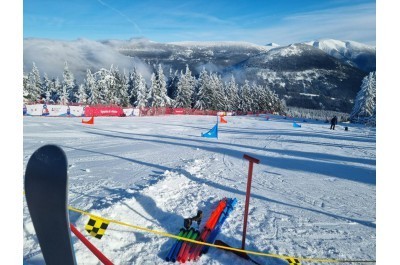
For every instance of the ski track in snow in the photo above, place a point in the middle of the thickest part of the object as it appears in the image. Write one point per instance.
(313, 194)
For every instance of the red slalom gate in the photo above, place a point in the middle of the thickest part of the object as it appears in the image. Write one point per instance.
(90, 246)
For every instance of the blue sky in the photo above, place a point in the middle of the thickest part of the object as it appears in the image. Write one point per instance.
(279, 21)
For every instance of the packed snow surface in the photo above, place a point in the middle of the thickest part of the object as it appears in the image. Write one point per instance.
(313, 194)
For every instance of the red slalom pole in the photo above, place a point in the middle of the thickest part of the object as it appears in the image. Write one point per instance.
(252, 160)
(90, 246)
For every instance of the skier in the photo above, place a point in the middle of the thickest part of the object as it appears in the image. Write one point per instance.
(333, 123)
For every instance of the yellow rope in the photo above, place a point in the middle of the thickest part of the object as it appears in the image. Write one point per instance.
(217, 246)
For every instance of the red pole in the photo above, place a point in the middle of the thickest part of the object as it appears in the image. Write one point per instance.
(246, 207)
(91, 247)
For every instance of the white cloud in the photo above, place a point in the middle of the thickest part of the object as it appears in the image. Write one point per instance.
(356, 23)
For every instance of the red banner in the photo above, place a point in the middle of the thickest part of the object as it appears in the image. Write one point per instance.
(95, 111)
(179, 111)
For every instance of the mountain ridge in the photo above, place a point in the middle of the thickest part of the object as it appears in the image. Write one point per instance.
(331, 69)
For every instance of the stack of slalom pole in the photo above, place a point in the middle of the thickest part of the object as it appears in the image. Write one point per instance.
(183, 251)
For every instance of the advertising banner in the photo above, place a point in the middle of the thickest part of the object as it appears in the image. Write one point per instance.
(35, 110)
(136, 112)
(179, 111)
(128, 112)
(92, 111)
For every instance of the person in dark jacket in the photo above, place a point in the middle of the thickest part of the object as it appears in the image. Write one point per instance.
(333, 123)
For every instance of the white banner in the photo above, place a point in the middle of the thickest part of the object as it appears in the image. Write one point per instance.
(34, 110)
(131, 112)
(77, 111)
(128, 112)
(53, 110)
(58, 110)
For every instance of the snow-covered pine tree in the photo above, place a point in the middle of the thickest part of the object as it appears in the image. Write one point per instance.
(81, 95)
(117, 87)
(232, 93)
(278, 105)
(365, 102)
(245, 97)
(56, 90)
(92, 88)
(34, 85)
(219, 99)
(68, 86)
(256, 96)
(122, 87)
(46, 89)
(159, 89)
(185, 89)
(165, 100)
(112, 87)
(172, 84)
(132, 89)
(203, 101)
(103, 78)
(25, 87)
(64, 95)
(150, 102)
(260, 102)
(141, 89)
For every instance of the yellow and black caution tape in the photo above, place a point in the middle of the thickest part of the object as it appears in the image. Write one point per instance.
(291, 260)
(96, 227)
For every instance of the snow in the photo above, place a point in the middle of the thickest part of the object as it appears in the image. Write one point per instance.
(287, 51)
(341, 49)
(339, 45)
(310, 95)
(215, 43)
(313, 194)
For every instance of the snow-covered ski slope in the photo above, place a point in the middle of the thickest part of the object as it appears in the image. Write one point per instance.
(313, 194)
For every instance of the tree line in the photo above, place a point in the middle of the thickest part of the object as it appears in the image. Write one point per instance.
(180, 89)
(208, 91)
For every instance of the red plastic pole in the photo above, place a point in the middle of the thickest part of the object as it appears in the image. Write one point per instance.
(246, 208)
(90, 246)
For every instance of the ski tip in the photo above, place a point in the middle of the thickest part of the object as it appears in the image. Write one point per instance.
(45, 163)
(48, 154)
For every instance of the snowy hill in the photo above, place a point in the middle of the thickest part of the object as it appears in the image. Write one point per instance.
(353, 53)
(313, 193)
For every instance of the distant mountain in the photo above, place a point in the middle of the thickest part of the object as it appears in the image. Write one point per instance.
(214, 56)
(274, 45)
(321, 74)
(304, 76)
(354, 53)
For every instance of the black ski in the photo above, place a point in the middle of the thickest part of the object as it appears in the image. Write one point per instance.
(46, 192)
